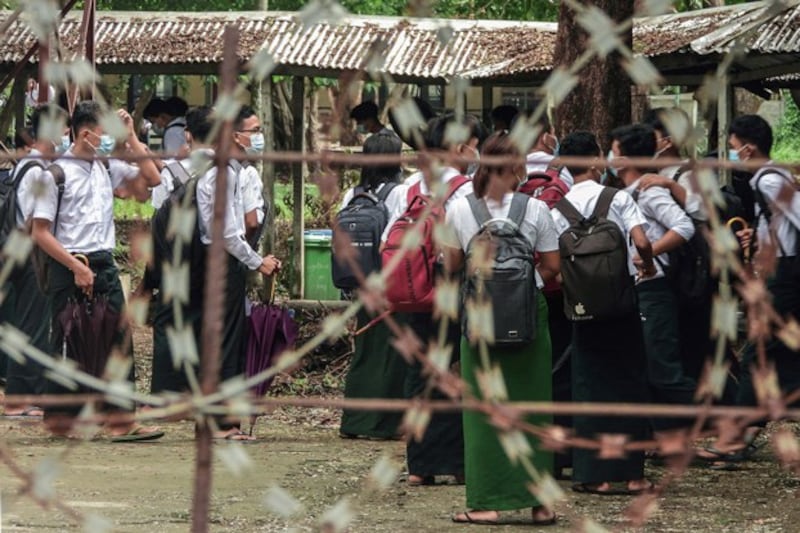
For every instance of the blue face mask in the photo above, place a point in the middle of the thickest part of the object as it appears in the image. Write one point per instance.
(107, 144)
(557, 149)
(610, 170)
(604, 178)
(256, 144)
(733, 155)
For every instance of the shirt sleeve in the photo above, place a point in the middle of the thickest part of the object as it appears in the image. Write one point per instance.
(46, 204)
(120, 171)
(663, 208)
(162, 191)
(771, 185)
(694, 202)
(539, 216)
(630, 213)
(252, 190)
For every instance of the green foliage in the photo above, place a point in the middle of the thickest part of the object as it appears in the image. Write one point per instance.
(132, 210)
(787, 135)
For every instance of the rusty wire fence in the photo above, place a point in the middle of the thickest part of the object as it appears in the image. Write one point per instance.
(740, 284)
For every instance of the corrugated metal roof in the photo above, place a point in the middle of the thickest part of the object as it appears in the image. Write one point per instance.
(411, 48)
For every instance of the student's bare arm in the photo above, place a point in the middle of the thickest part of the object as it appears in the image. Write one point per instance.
(549, 265)
(453, 259)
(84, 277)
(645, 249)
(674, 188)
(670, 241)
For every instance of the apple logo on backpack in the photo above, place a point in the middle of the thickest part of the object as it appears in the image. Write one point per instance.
(580, 310)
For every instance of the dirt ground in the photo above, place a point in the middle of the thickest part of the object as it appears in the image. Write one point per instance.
(148, 486)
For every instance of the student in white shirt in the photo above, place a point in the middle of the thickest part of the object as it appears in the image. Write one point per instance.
(167, 117)
(544, 149)
(777, 227)
(608, 356)
(493, 482)
(241, 256)
(376, 369)
(248, 139)
(669, 227)
(79, 237)
(30, 311)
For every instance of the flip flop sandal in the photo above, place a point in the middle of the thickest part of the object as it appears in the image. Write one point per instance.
(137, 434)
(426, 481)
(26, 414)
(232, 437)
(585, 488)
(474, 521)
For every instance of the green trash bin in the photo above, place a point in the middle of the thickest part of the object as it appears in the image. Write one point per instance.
(317, 275)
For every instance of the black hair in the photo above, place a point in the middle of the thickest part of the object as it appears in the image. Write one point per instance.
(198, 123)
(498, 144)
(579, 144)
(245, 112)
(652, 118)
(45, 110)
(505, 114)
(23, 137)
(154, 108)
(435, 136)
(176, 106)
(85, 115)
(635, 140)
(543, 122)
(374, 175)
(364, 111)
(425, 109)
(753, 129)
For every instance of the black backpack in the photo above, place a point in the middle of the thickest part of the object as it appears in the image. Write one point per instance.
(511, 285)
(184, 194)
(689, 269)
(597, 284)
(362, 220)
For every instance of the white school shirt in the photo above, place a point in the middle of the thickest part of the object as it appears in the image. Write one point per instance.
(26, 200)
(786, 218)
(160, 193)
(447, 174)
(540, 161)
(86, 216)
(663, 214)
(623, 212)
(234, 231)
(537, 226)
(694, 202)
(174, 137)
(252, 191)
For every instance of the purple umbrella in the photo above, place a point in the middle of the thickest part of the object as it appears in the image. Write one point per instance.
(90, 327)
(271, 331)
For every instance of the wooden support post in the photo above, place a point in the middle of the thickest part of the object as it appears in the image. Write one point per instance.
(298, 185)
(487, 105)
(724, 112)
(268, 168)
(18, 97)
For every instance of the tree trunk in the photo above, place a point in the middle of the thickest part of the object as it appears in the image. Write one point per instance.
(344, 97)
(312, 125)
(282, 117)
(602, 99)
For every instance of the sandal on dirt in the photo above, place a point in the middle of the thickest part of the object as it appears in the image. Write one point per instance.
(420, 481)
(236, 436)
(467, 519)
(137, 434)
(29, 413)
(587, 488)
(544, 521)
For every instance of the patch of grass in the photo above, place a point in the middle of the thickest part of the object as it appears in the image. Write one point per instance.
(130, 209)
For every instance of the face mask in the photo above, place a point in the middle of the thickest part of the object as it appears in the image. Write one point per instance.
(604, 177)
(65, 143)
(734, 155)
(557, 148)
(256, 144)
(472, 168)
(107, 144)
(361, 129)
(611, 170)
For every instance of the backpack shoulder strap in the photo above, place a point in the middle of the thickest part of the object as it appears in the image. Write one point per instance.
(519, 205)
(453, 185)
(604, 203)
(24, 170)
(569, 211)
(479, 209)
(413, 191)
(59, 178)
(178, 172)
(386, 190)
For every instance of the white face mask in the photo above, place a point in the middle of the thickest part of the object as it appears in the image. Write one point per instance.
(256, 144)
(472, 168)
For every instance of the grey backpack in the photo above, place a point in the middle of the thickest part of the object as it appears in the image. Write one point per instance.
(597, 284)
(511, 284)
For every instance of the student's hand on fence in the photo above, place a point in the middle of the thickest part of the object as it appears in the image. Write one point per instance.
(270, 265)
(654, 180)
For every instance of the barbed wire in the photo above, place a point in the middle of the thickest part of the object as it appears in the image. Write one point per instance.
(208, 398)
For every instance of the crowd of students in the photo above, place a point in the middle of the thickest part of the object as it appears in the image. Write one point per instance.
(64, 197)
(624, 331)
(608, 325)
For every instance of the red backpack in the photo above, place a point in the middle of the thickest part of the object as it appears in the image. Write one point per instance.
(548, 187)
(410, 288)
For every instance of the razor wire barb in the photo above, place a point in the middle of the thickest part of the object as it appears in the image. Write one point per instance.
(207, 398)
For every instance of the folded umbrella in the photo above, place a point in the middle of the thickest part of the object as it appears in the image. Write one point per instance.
(272, 330)
(90, 327)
